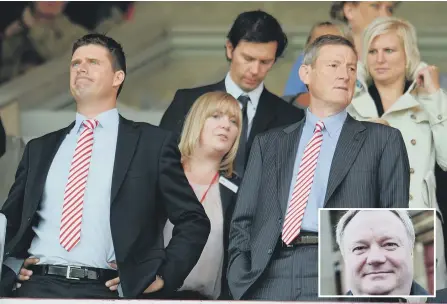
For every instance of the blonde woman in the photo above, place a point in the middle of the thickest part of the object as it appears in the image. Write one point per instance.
(399, 90)
(208, 144)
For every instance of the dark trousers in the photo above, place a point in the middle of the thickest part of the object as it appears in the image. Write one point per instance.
(291, 275)
(48, 286)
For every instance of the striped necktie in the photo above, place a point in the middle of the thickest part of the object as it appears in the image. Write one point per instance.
(70, 230)
(303, 185)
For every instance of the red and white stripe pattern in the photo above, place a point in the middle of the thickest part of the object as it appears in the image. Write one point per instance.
(70, 232)
(297, 207)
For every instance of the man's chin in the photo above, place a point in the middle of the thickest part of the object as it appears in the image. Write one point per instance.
(378, 290)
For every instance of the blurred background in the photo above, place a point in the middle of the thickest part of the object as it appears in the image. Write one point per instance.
(332, 272)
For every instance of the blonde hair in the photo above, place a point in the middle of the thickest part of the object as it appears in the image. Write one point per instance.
(203, 108)
(407, 34)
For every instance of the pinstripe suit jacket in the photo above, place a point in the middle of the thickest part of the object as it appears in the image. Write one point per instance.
(370, 169)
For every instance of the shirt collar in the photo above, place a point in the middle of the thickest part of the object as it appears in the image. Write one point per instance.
(332, 124)
(107, 119)
(233, 89)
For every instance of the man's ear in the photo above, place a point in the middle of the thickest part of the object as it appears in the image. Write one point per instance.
(119, 78)
(229, 48)
(305, 72)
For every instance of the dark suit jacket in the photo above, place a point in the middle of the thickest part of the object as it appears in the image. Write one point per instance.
(2, 139)
(228, 198)
(272, 111)
(370, 169)
(441, 297)
(416, 290)
(148, 186)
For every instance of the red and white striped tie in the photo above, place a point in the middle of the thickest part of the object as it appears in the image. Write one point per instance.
(303, 185)
(70, 232)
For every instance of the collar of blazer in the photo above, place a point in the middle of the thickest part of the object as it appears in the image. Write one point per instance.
(365, 106)
(227, 195)
(128, 135)
(348, 146)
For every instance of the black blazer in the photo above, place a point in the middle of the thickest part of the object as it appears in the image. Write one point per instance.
(2, 139)
(148, 186)
(272, 111)
(228, 198)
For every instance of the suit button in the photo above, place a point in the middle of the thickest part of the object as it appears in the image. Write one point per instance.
(411, 197)
(29, 219)
(439, 117)
(411, 170)
(413, 142)
(413, 116)
(270, 251)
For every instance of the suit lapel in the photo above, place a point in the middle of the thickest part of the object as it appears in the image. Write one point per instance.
(220, 86)
(45, 159)
(226, 195)
(263, 116)
(348, 146)
(285, 161)
(128, 135)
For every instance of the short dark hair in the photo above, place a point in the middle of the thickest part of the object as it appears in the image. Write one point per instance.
(260, 27)
(311, 51)
(115, 49)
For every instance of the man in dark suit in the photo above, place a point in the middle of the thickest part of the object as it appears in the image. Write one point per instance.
(98, 192)
(327, 160)
(2, 139)
(255, 42)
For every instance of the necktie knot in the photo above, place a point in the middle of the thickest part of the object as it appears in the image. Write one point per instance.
(244, 99)
(90, 123)
(319, 126)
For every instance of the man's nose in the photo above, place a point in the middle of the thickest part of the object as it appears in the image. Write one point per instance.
(376, 256)
(255, 68)
(82, 68)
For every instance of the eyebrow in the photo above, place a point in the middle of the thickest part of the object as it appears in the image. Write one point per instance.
(251, 57)
(77, 60)
(338, 61)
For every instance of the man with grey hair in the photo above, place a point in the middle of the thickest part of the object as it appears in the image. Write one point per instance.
(326, 160)
(377, 249)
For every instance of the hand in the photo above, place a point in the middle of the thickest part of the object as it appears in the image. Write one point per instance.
(155, 286)
(380, 121)
(428, 80)
(113, 284)
(28, 17)
(13, 29)
(24, 273)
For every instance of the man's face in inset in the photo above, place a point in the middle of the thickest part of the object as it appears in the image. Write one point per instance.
(377, 252)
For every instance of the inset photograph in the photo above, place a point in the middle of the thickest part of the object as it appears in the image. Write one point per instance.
(377, 252)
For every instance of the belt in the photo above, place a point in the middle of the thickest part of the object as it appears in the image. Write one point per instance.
(305, 238)
(75, 272)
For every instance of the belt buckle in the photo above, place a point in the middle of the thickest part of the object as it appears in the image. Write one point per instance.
(287, 245)
(68, 275)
